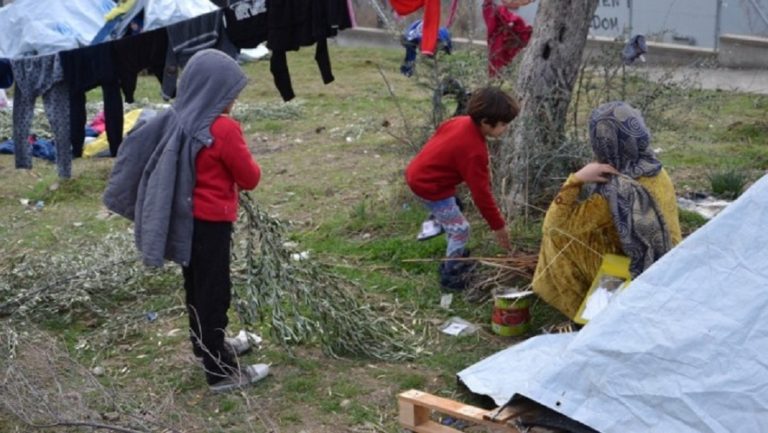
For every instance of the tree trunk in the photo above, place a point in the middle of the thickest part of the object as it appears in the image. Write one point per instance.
(533, 163)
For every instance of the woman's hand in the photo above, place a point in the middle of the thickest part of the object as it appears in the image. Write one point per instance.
(596, 172)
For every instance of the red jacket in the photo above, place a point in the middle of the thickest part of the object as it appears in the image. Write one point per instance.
(456, 153)
(508, 33)
(222, 170)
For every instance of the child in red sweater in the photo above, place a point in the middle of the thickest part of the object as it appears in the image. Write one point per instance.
(457, 153)
(177, 176)
(222, 170)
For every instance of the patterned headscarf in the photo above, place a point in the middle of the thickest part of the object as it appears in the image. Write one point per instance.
(619, 137)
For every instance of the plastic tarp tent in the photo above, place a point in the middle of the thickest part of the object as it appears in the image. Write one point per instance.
(161, 13)
(684, 349)
(31, 27)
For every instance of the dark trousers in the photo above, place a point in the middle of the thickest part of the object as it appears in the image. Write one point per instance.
(208, 295)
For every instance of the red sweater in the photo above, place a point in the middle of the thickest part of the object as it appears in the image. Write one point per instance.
(456, 153)
(222, 170)
(508, 33)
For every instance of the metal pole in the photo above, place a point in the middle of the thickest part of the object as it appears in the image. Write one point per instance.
(718, 19)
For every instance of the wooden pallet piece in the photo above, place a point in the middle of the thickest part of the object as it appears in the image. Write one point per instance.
(416, 407)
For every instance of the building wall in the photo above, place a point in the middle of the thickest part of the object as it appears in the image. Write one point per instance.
(735, 51)
(696, 23)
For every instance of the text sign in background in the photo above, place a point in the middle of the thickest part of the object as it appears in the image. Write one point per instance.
(610, 19)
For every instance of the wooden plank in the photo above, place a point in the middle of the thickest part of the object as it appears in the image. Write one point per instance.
(411, 416)
(505, 414)
(410, 400)
(444, 405)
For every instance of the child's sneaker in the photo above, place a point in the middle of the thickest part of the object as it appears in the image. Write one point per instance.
(238, 345)
(245, 376)
(429, 229)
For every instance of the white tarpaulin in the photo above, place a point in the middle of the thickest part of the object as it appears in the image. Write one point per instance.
(30, 27)
(161, 13)
(33, 27)
(684, 349)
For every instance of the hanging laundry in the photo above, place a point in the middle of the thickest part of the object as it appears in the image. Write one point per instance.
(187, 37)
(246, 23)
(35, 76)
(85, 69)
(508, 33)
(292, 24)
(6, 74)
(134, 54)
(412, 38)
(431, 20)
(635, 49)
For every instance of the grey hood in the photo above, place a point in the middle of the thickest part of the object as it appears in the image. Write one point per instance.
(154, 175)
(210, 82)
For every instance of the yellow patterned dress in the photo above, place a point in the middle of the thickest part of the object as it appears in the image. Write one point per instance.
(576, 233)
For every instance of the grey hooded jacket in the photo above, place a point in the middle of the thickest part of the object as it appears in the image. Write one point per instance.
(154, 174)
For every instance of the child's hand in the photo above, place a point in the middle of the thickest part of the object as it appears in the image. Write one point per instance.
(595, 172)
(502, 237)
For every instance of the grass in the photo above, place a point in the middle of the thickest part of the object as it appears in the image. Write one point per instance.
(334, 171)
(727, 183)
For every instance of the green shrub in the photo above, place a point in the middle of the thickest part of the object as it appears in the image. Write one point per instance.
(727, 183)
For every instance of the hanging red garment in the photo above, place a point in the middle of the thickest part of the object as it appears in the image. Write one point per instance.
(431, 20)
(508, 33)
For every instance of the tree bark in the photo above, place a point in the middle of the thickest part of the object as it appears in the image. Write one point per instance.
(533, 163)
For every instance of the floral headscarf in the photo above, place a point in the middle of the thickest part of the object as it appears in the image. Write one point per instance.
(619, 137)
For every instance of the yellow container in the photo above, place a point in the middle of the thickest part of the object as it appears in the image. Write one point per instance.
(511, 314)
(613, 267)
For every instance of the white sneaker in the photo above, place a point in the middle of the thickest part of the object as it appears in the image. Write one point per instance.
(240, 344)
(245, 376)
(243, 342)
(429, 229)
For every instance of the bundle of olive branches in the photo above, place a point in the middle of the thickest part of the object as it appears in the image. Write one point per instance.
(85, 277)
(303, 302)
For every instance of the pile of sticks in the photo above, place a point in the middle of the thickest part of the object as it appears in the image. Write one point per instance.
(513, 270)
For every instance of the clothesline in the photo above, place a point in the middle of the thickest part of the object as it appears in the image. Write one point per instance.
(63, 78)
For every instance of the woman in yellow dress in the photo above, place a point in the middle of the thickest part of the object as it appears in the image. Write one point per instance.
(624, 203)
